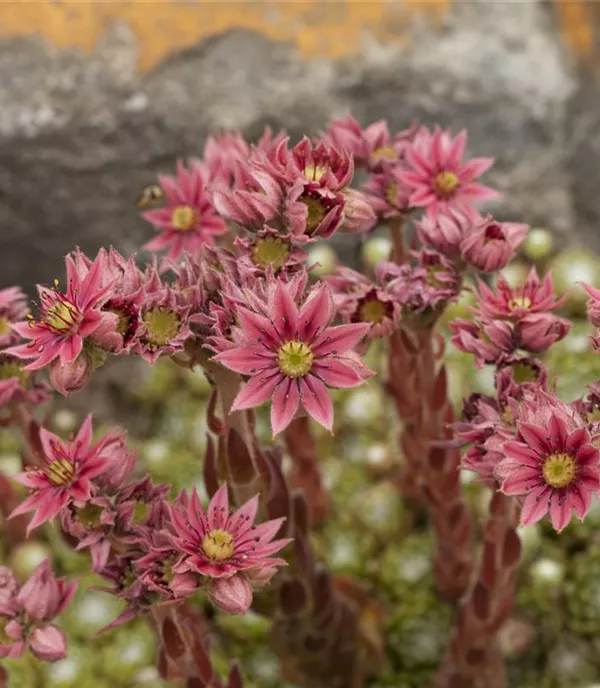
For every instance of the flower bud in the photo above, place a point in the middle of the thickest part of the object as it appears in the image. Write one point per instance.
(70, 377)
(48, 643)
(44, 596)
(232, 595)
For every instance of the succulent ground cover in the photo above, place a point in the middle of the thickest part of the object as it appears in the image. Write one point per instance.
(307, 473)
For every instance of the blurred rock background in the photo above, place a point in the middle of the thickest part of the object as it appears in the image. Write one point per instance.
(96, 97)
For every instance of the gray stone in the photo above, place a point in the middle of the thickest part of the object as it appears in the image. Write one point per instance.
(81, 135)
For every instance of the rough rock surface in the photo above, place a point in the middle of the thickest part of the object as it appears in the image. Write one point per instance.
(80, 135)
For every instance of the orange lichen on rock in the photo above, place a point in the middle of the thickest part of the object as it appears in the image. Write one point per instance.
(317, 28)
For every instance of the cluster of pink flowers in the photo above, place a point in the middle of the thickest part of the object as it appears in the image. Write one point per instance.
(510, 321)
(16, 384)
(169, 549)
(26, 612)
(234, 292)
(534, 447)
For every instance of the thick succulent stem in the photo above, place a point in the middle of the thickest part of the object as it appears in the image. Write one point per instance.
(473, 659)
(431, 473)
(302, 448)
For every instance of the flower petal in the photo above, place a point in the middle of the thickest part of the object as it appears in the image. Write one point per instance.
(247, 360)
(256, 391)
(339, 339)
(284, 312)
(535, 437)
(315, 314)
(335, 373)
(286, 399)
(535, 507)
(316, 400)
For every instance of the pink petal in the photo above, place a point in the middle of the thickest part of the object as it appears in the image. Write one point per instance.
(522, 453)
(457, 149)
(521, 482)
(31, 479)
(418, 162)
(248, 360)
(28, 504)
(479, 192)
(560, 511)
(70, 348)
(337, 374)
(50, 349)
(90, 287)
(576, 440)
(51, 504)
(558, 432)
(535, 437)
(580, 500)
(588, 454)
(90, 323)
(84, 436)
(315, 314)
(285, 313)
(285, 404)
(257, 328)
(73, 279)
(265, 531)
(218, 508)
(171, 189)
(159, 243)
(316, 400)
(256, 391)
(49, 441)
(535, 507)
(475, 168)
(422, 197)
(242, 520)
(339, 339)
(196, 514)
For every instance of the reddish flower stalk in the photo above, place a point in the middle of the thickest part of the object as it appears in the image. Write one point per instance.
(302, 448)
(431, 473)
(183, 653)
(473, 659)
(317, 628)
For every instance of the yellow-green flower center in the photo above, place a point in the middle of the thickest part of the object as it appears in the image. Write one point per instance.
(524, 373)
(62, 316)
(372, 311)
(141, 511)
(218, 545)
(89, 515)
(446, 183)
(559, 470)
(314, 173)
(385, 152)
(5, 639)
(184, 218)
(295, 359)
(123, 321)
(270, 252)
(519, 302)
(5, 327)
(10, 369)
(60, 472)
(316, 212)
(162, 325)
(594, 415)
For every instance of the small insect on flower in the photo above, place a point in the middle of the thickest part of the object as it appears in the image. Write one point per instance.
(152, 196)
